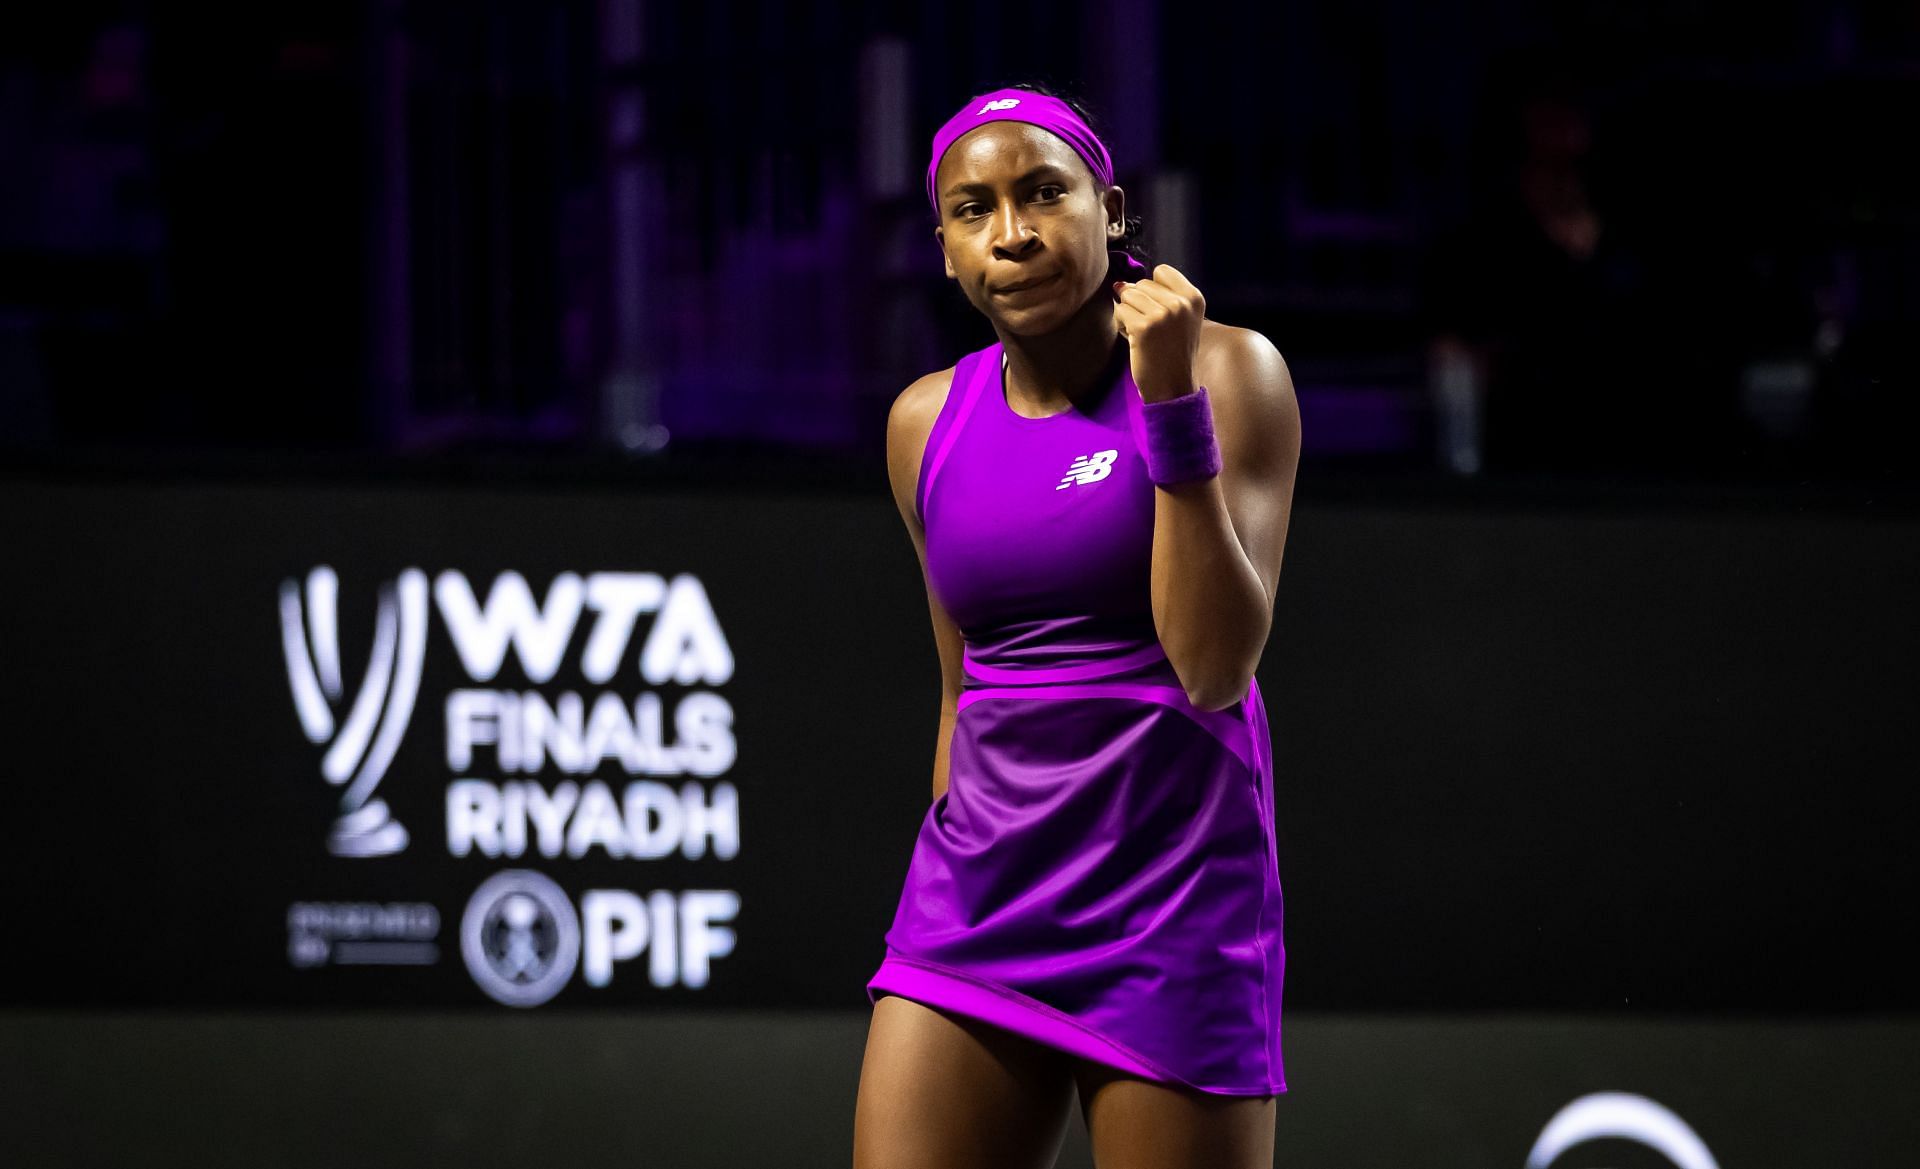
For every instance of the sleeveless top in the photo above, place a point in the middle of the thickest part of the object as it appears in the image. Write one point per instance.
(1039, 531)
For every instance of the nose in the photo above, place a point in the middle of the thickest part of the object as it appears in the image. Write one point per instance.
(1011, 235)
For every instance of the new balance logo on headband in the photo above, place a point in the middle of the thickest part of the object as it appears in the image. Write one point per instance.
(1005, 103)
(1088, 469)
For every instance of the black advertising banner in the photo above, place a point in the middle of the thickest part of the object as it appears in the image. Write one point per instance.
(553, 746)
(435, 747)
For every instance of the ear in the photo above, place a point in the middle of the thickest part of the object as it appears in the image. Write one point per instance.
(1114, 203)
(941, 235)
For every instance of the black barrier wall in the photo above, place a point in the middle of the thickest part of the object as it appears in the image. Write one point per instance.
(278, 744)
(724, 1089)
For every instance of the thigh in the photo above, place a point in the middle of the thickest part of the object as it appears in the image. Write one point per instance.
(941, 1092)
(1139, 1124)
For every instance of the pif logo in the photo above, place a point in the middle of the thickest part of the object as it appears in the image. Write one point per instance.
(520, 938)
(522, 941)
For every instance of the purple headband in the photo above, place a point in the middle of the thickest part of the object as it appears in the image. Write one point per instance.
(1021, 105)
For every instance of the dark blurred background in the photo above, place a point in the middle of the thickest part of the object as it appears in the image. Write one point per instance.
(1679, 240)
(1592, 675)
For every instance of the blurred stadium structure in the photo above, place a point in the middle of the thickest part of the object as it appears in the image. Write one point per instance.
(1677, 239)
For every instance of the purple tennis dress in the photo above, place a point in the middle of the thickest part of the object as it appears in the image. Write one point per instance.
(1101, 874)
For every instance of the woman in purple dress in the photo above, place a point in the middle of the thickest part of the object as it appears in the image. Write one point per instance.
(1099, 501)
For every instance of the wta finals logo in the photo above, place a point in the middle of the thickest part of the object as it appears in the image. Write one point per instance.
(361, 736)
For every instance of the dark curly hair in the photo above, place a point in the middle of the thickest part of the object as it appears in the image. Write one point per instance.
(1134, 228)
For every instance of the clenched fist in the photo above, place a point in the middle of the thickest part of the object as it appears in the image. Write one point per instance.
(1160, 318)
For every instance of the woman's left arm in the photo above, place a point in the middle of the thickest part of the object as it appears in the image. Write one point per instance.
(1217, 542)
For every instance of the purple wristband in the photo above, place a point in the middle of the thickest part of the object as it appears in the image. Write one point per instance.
(1180, 442)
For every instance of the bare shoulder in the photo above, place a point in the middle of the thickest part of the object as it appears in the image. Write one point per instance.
(1247, 381)
(1255, 412)
(909, 422)
(916, 407)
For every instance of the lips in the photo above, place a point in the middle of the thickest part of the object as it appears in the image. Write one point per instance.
(1024, 285)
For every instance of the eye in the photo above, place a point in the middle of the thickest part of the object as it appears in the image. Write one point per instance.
(1056, 188)
(966, 210)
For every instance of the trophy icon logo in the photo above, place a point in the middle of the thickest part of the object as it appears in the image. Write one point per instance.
(361, 736)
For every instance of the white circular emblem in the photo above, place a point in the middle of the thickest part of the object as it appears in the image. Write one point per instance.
(1621, 1116)
(520, 938)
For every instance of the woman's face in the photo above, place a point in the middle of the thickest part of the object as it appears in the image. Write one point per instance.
(1024, 225)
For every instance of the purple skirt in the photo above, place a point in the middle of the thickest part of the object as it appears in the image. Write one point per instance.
(1101, 877)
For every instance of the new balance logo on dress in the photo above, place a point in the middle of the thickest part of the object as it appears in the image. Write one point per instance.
(1005, 103)
(1089, 469)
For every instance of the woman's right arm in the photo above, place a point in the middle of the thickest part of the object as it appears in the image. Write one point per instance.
(908, 424)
